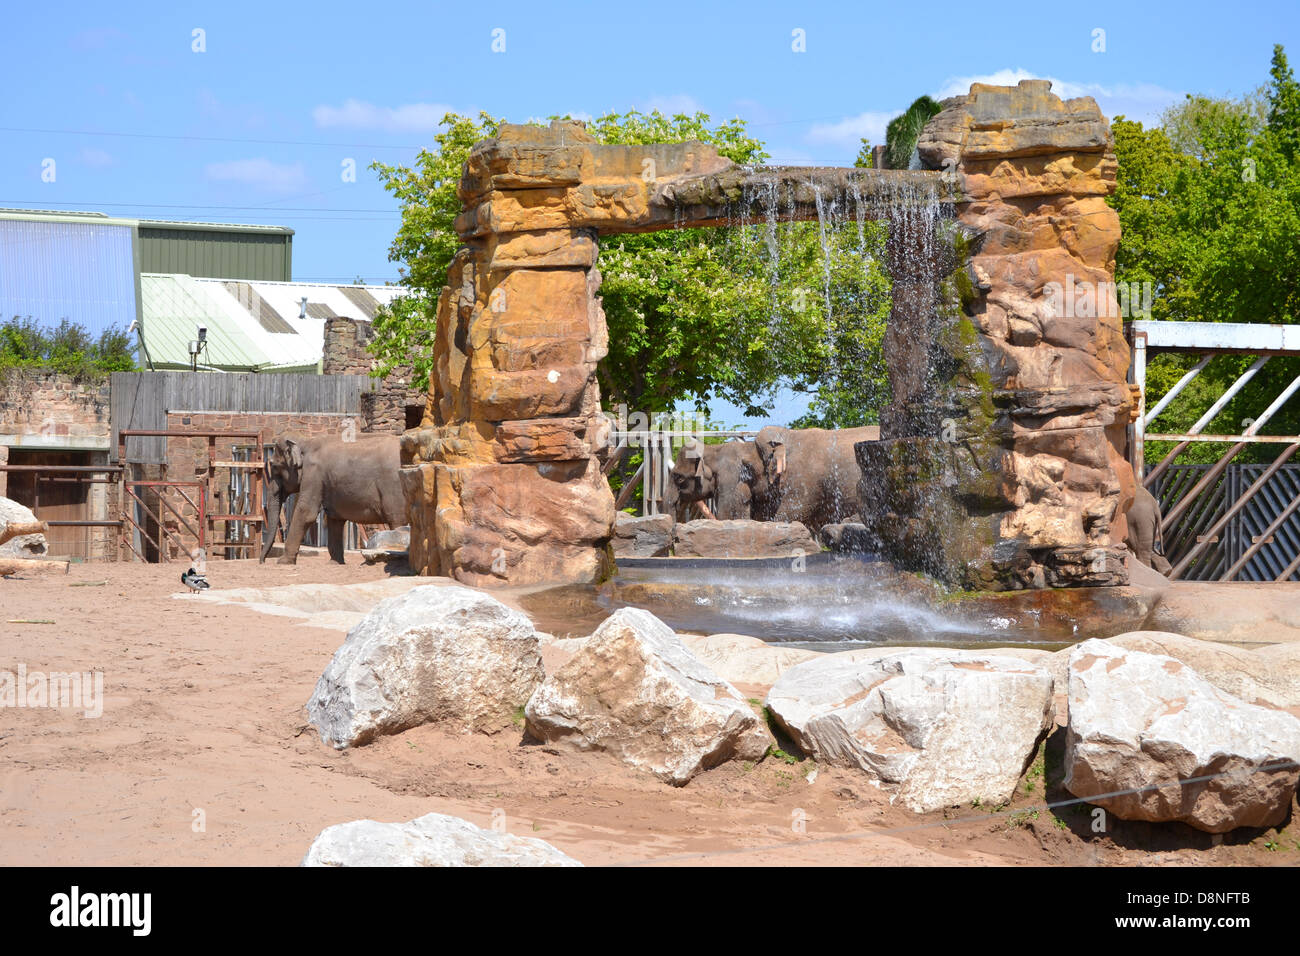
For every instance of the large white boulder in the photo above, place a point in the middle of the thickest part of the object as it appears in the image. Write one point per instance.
(23, 546)
(1265, 675)
(431, 840)
(937, 727)
(436, 653)
(634, 690)
(1192, 752)
(741, 659)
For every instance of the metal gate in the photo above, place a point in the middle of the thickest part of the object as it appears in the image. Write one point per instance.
(1259, 542)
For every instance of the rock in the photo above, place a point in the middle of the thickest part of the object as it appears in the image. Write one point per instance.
(650, 536)
(937, 727)
(390, 539)
(1234, 612)
(848, 537)
(431, 840)
(635, 691)
(1267, 675)
(23, 546)
(516, 524)
(1142, 720)
(740, 659)
(1018, 482)
(436, 653)
(742, 538)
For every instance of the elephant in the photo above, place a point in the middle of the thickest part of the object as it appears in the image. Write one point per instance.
(811, 474)
(352, 480)
(730, 474)
(1144, 537)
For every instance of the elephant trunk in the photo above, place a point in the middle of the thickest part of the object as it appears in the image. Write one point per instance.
(670, 502)
(274, 502)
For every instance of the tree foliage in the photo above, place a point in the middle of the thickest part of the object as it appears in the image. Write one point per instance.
(1209, 204)
(693, 314)
(67, 348)
(904, 130)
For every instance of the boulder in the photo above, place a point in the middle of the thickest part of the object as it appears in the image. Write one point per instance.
(431, 840)
(23, 546)
(850, 537)
(635, 691)
(436, 653)
(740, 659)
(1234, 612)
(1266, 675)
(937, 727)
(650, 536)
(742, 538)
(390, 539)
(1192, 752)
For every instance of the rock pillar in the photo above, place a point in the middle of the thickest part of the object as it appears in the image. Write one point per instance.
(1001, 464)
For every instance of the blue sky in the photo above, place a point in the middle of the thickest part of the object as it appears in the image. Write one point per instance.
(257, 127)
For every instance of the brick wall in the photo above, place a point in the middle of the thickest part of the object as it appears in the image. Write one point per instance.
(383, 410)
(48, 411)
(53, 410)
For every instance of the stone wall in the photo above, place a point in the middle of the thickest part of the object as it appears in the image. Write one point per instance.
(51, 412)
(384, 409)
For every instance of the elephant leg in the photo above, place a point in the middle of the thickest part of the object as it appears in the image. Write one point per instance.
(304, 513)
(334, 527)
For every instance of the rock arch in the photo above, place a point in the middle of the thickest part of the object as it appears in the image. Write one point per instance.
(1000, 464)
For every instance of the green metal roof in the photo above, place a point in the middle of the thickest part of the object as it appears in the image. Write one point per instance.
(175, 306)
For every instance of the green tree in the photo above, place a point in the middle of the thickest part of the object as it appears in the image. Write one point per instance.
(904, 130)
(1209, 204)
(66, 348)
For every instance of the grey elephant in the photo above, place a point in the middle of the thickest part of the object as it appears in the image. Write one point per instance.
(811, 474)
(730, 474)
(352, 480)
(1144, 537)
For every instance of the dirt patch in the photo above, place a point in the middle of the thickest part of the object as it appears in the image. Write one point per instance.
(203, 723)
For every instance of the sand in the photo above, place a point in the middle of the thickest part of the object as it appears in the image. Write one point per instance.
(203, 756)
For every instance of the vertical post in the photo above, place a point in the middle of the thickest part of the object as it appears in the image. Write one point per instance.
(1140, 426)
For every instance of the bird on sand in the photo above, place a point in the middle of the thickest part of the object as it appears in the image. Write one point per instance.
(195, 581)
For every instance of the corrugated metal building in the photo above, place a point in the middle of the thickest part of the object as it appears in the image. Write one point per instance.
(85, 266)
(77, 266)
(216, 250)
(250, 326)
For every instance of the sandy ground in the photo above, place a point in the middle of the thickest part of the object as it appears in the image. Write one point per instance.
(203, 712)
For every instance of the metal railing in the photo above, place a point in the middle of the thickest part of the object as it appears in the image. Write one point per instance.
(659, 448)
(1185, 519)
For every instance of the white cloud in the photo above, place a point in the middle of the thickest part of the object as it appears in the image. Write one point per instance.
(848, 132)
(358, 114)
(95, 158)
(260, 173)
(1137, 101)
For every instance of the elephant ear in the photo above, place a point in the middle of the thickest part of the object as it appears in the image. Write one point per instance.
(293, 453)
